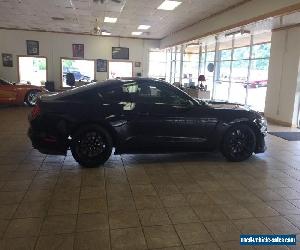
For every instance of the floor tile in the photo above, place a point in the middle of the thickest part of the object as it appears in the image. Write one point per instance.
(24, 243)
(154, 217)
(175, 200)
(123, 219)
(128, 238)
(145, 201)
(204, 246)
(222, 230)
(92, 222)
(92, 205)
(161, 236)
(94, 240)
(59, 224)
(23, 227)
(210, 213)
(182, 215)
(251, 226)
(60, 207)
(32, 209)
(192, 233)
(236, 211)
(279, 225)
(61, 241)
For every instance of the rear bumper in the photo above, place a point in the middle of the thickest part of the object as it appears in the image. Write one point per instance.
(47, 144)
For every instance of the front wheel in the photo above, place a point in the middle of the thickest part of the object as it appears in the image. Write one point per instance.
(31, 97)
(238, 143)
(91, 146)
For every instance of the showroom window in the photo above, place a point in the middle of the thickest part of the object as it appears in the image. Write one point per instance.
(83, 70)
(33, 70)
(190, 65)
(120, 69)
(235, 66)
(158, 63)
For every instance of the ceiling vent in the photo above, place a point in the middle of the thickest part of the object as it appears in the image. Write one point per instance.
(57, 18)
(103, 1)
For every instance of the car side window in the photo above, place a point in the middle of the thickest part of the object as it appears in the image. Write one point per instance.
(117, 94)
(154, 93)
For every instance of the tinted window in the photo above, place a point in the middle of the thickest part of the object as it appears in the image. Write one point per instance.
(116, 94)
(151, 92)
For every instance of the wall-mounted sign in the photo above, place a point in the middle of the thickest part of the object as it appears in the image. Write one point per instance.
(7, 60)
(78, 50)
(101, 65)
(137, 64)
(210, 67)
(33, 47)
(120, 53)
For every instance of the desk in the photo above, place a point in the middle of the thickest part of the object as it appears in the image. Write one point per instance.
(197, 93)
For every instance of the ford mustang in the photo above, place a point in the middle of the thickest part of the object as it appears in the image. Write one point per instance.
(141, 115)
(16, 93)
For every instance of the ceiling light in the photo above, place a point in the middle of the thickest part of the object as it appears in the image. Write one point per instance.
(105, 33)
(136, 33)
(169, 5)
(110, 19)
(144, 27)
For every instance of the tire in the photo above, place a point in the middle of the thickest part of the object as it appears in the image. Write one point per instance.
(31, 97)
(86, 150)
(238, 143)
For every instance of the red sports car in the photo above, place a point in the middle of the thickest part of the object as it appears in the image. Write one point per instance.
(17, 93)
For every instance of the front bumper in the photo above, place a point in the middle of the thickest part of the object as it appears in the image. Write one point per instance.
(47, 144)
(260, 144)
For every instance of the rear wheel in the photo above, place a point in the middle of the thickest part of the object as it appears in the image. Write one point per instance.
(91, 146)
(31, 97)
(238, 143)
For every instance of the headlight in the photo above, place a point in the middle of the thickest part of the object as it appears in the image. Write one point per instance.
(262, 122)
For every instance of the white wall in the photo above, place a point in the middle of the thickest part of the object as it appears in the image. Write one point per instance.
(283, 92)
(56, 45)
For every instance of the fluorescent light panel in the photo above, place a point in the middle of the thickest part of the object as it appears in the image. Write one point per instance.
(144, 27)
(136, 33)
(169, 5)
(110, 19)
(105, 33)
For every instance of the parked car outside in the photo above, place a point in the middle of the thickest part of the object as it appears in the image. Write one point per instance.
(141, 115)
(256, 84)
(18, 93)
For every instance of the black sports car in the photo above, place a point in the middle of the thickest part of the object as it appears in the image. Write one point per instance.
(141, 116)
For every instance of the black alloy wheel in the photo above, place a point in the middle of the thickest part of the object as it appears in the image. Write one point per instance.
(31, 97)
(91, 146)
(238, 143)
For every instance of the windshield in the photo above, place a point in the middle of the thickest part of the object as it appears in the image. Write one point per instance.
(4, 81)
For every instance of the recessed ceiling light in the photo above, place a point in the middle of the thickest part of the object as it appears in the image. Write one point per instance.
(105, 33)
(110, 19)
(136, 33)
(169, 5)
(144, 27)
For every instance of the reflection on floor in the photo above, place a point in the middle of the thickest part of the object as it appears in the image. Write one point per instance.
(186, 201)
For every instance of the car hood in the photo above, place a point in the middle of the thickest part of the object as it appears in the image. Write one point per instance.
(227, 105)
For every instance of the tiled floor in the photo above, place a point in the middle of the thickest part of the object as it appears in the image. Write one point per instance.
(185, 201)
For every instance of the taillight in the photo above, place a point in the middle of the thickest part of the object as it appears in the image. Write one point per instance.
(36, 111)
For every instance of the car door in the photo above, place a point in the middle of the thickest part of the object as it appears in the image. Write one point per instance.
(169, 119)
(8, 93)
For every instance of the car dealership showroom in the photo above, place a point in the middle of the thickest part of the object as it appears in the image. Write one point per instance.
(149, 124)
